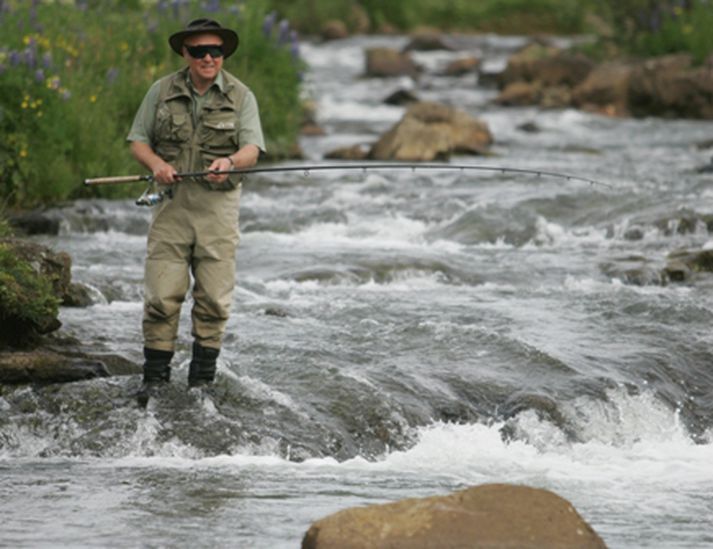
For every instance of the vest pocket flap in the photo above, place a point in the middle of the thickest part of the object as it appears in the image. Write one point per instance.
(220, 125)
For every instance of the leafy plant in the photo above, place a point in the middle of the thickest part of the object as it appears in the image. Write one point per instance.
(28, 304)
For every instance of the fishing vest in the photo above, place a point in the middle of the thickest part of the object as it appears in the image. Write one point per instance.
(191, 145)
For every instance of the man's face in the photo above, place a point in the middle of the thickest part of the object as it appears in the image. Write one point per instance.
(206, 67)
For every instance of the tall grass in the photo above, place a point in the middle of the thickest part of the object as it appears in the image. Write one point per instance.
(73, 75)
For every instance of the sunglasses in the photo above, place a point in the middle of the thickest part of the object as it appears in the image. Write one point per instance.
(199, 52)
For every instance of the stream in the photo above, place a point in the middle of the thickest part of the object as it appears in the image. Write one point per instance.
(399, 334)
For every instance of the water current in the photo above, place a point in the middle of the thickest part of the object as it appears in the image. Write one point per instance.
(400, 334)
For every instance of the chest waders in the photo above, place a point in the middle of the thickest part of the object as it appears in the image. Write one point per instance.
(193, 233)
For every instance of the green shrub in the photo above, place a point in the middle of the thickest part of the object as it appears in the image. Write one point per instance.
(645, 28)
(72, 78)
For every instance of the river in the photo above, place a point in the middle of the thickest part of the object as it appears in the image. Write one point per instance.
(399, 334)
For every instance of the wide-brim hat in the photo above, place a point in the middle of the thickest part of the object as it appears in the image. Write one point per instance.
(203, 26)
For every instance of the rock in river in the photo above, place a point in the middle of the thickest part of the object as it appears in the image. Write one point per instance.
(491, 515)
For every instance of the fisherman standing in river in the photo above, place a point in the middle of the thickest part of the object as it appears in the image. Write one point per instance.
(199, 118)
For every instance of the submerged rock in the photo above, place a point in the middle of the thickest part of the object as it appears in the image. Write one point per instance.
(491, 515)
(47, 367)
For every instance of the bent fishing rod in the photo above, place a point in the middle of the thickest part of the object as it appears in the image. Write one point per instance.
(149, 198)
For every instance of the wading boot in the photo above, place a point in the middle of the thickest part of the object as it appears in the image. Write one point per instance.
(156, 372)
(201, 370)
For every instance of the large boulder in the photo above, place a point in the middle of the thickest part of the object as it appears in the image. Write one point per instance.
(520, 94)
(430, 131)
(669, 86)
(546, 65)
(491, 515)
(334, 30)
(605, 90)
(429, 39)
(384, 62)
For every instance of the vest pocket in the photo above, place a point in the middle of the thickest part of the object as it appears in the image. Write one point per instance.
(219, 130)
(174, 127)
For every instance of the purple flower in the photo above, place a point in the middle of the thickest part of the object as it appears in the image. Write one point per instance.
(211, 6)
(283, 32)
(15, 58)
(39, 76)
(66, 94)
(111, 75)
(268, 23)
(47, 60)
(294, 44)
(30, 54)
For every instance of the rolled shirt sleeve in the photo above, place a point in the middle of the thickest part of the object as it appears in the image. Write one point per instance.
(250, 126)
(143, 125)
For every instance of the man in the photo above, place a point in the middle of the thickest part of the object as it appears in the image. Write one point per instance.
(199, 118)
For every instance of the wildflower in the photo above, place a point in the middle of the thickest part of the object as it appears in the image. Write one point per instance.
(268, 23)
(15, 58)
(124, 47)
(92, 98)
(212, 6)
(53, 82)
(294, 44)
(30, 56)
(64, 93)
(23, 153)
(47, 60)
(39, 76)
(283, 32)
(111, 75)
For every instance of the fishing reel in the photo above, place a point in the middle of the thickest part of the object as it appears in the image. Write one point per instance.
(151, 196)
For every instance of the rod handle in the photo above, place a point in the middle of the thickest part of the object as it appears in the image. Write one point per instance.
(116, 179)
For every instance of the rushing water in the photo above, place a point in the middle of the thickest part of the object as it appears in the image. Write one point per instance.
(399, 334)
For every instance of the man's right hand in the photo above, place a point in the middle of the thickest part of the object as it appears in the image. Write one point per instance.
(164, 174)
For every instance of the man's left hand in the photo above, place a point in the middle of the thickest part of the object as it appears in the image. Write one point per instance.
(219, 165)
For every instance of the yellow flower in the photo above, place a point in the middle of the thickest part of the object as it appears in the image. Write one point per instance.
(26, 39)
(39, 114)
(124, 47)
(93, 98)
(23, 153)
(25, 104)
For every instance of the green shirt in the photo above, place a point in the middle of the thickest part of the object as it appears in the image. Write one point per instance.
(250, 132)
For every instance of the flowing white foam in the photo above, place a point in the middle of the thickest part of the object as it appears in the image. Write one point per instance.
(627, 440)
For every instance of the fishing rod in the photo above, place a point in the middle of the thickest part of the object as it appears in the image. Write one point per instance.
(149, 198)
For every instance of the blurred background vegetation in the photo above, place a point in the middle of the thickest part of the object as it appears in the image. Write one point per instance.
(73, 72)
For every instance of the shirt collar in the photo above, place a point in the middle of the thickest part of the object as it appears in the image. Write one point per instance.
(219, 81)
